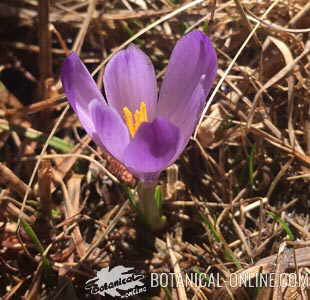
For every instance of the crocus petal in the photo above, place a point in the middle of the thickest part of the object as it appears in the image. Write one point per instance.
(193, 61)
(80, 89)
(188, 120)
(130, 79)
(152, 149)
(111, 132)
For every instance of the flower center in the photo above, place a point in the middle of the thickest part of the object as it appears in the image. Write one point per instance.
(133, 122)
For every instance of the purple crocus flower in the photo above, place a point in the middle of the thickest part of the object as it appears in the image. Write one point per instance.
(143, 131)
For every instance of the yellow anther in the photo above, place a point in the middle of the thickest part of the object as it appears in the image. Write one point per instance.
(143, 112)
(129, 120)
(133, 122)
(138, 119)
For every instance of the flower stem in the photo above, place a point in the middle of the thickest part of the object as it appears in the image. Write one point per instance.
(150, 209)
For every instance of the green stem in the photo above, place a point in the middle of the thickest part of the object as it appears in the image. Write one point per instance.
(150, 210)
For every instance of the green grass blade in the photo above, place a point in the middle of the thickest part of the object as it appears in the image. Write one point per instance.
(33, 134)
(251, 165)
(36, 242)
(158, 197)
(227, 251)
(283, 224)
(211, 227)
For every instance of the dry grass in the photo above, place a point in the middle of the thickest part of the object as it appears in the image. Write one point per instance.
(236, 201)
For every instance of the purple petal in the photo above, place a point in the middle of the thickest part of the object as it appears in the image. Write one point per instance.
(129, 79)
(193, 61)
(80, 89)
(110, 131)
(188, 119)
(152, 149)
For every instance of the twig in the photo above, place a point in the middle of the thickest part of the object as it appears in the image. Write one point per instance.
(45, 55)
(247, 22)
(176, 269)
(82, 33)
